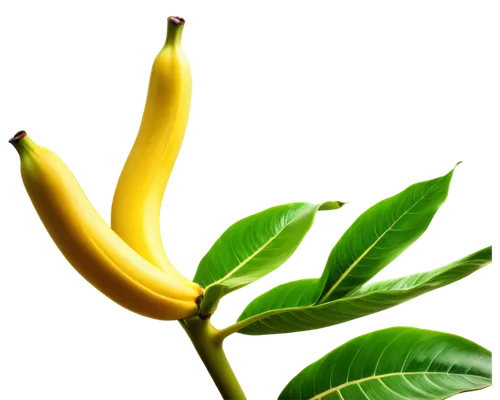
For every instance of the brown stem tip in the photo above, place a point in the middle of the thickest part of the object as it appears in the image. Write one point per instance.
(176, 20)
(17, 137)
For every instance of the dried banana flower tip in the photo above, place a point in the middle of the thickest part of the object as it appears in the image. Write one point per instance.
(17, 137)
(176, 19)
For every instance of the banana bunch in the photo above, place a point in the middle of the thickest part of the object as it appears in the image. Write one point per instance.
(126, 261)
(91, 246)
(136, 203)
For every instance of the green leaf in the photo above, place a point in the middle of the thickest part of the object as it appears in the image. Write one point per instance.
(289, 307)
(379, 235)
(395, 364)
(253, 247)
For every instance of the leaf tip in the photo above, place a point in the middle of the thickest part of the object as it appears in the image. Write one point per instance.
(457, 164)
(331, 205)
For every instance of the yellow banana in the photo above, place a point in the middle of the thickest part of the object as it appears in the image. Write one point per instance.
(135, 214)
(91, 246)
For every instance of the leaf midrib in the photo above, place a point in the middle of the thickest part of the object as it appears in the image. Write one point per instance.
(373, 377)
(360, 258)
(248, 259)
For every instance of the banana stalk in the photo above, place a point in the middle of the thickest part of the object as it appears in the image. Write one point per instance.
(92, 247)
(135, 213)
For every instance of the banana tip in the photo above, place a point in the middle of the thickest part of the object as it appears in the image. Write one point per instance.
(17, 137)
(176, 20)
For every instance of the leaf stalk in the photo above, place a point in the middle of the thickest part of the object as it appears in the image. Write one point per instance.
(221, 334)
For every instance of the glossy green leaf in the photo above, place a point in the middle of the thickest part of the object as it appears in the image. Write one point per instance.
(379, 235)
(432, 279)
(289, 307)
(395, 364)
(253, 247)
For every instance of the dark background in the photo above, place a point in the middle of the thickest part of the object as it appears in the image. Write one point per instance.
(346, 103)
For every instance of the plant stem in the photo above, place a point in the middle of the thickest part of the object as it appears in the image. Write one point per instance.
(204, 337)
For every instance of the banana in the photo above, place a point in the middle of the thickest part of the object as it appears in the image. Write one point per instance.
(91, 246)
(135, 213)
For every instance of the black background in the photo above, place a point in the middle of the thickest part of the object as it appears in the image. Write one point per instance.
(293, 103)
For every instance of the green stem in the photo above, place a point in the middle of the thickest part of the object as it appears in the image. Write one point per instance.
(209, 347)
(174, 31)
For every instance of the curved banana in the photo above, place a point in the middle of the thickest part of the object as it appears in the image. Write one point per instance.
(135, 214)
(91, 246)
